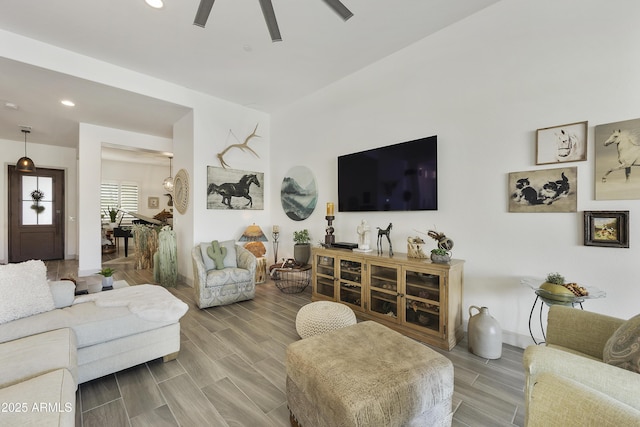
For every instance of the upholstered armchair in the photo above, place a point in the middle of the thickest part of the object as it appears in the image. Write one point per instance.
(234, 282)
(567, 381)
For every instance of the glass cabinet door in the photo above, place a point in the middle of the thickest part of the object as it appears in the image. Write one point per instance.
(383, 290)
(422, 300)
(325, 276)
(350, 279)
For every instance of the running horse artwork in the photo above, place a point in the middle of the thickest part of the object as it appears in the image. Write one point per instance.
(385, 232)
(239, 189)
(628, 152)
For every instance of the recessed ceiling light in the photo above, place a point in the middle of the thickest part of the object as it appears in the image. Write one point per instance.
(68, 103)
(156, 4)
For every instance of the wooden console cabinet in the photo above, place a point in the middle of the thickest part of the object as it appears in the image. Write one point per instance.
(416, 297)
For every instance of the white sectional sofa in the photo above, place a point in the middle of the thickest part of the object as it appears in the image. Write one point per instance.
(100, 333)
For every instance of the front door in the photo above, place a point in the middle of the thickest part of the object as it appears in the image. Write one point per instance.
(36, 214)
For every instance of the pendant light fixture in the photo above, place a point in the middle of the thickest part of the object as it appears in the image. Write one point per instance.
(168, 181)
(25, 164)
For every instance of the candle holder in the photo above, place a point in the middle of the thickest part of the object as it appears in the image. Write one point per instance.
(330, 239)
(276, 236)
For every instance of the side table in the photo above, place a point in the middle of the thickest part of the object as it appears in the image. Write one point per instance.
(261, 270)
(292, 280)
(549, 299)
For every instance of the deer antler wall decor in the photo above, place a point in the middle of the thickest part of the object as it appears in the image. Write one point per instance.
(244, 146)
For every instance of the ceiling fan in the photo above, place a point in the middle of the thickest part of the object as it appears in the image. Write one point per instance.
(204, 9)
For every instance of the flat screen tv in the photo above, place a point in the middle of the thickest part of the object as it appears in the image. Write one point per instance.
(399, 177)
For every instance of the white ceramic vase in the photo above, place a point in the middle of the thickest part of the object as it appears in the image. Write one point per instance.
(484, 334)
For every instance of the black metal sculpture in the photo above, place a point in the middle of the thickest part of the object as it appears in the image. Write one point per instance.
(385, 232)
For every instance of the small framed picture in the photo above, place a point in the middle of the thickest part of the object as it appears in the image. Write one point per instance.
(564, 143)
(606, 228)
(153, 202)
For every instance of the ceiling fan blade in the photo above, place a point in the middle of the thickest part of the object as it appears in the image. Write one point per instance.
(204, 9)
(339, 8)
(270, 18)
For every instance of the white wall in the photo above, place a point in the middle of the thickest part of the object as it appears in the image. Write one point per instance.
(44, 156)
(226, 224)
(484, 86)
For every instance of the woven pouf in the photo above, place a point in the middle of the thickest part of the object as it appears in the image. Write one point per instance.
(367, 375)
(323, 316)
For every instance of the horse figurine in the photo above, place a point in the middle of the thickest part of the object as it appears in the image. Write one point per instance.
(628, 152)
(239, 189)
(386, 233)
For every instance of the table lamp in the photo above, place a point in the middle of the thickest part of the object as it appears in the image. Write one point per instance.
(254, 236)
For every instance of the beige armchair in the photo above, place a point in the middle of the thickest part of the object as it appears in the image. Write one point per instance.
(567, 383)
(225, 286)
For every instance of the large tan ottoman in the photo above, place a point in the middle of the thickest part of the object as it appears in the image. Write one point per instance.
(367, 375)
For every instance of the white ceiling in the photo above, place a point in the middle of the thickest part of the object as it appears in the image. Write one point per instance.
(233, 58)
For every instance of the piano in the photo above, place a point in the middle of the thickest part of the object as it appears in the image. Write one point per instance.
(125, 231)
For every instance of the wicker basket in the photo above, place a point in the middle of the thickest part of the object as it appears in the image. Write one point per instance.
(292, 280)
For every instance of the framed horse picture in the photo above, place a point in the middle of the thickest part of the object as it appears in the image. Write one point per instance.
(617, 152)
(559, 144)
(234, 189)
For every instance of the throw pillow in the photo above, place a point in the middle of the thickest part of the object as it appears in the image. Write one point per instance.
(217, 254)
(24, 290)
(623, 348)
(230, 258)
(208, 262)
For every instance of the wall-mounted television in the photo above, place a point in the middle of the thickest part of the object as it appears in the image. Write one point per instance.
(399, 177)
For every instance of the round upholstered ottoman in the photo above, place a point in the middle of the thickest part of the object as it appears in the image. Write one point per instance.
(323, 316)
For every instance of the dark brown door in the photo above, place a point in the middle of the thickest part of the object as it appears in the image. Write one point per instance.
(36, 215)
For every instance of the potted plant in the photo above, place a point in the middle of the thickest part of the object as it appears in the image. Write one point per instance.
(107, 277)
(554, 284)
(302, 247)
(440, 255)
(113, 216)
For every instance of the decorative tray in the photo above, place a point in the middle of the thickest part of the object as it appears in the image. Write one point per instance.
(552, 298)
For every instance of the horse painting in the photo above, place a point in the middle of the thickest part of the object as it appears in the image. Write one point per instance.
(239, 189)
(628, 152)
(568, 148)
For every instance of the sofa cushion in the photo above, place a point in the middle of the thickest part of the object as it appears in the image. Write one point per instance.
(24, 290)
(216, 278)
(35, 355)
(91, 323)
(63, 292)
(47, 400)
(623, 348)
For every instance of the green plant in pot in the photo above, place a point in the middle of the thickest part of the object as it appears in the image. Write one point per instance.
(107, 277)
(113, 214)
(302, 247)
(554, 284)
(440, 255)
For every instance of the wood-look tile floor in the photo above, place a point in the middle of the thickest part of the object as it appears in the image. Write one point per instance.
(231, 372)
